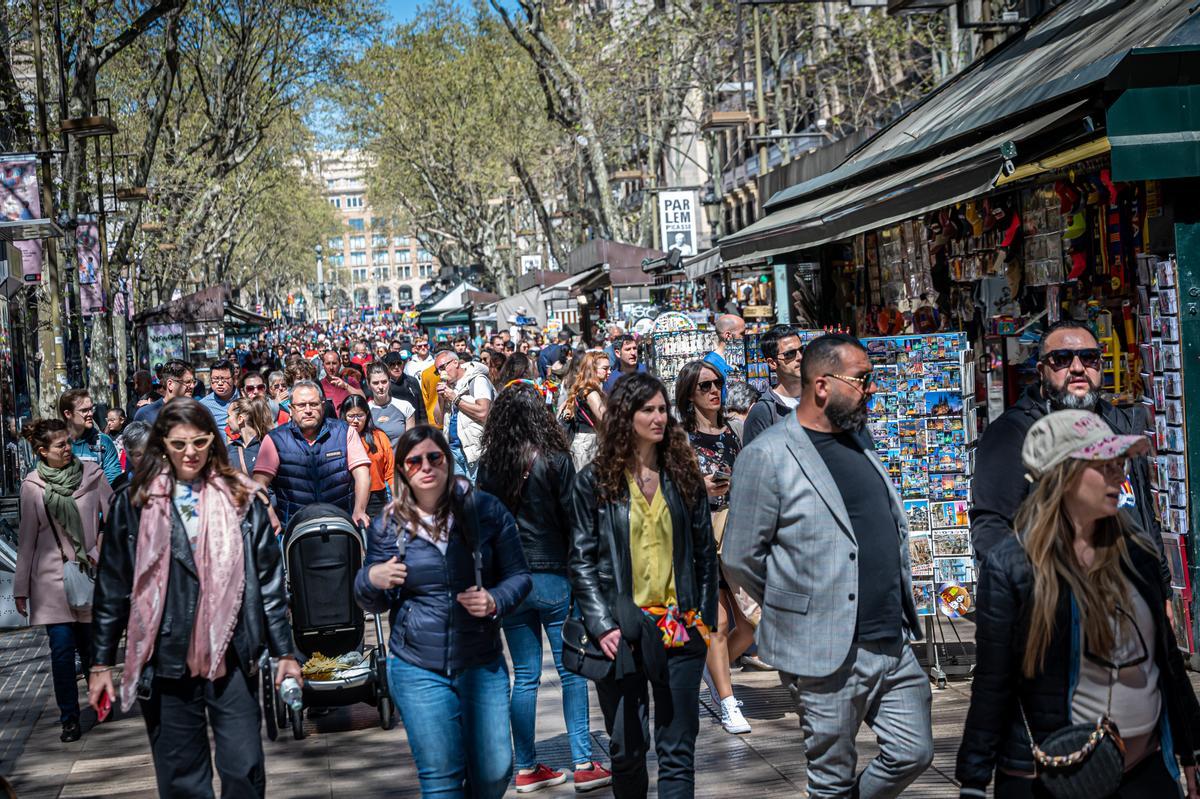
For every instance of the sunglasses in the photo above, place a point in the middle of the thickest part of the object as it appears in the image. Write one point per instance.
(862, 382)
(706, 386)
(201, 443)
(253, 389)
(1090, 358)
(789, 356)
(434, 459)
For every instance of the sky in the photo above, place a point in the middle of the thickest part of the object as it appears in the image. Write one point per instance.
(401, 10)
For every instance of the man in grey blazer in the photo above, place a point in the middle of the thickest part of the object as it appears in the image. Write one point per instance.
(817, 535)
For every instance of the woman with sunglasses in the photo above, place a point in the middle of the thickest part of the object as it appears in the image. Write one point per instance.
(527, 465)
(644, 572)
(249, 421)
(584, 409)
(356, 412)
(191, 575)
(698, 397)
(445, 561)
(62, 501)
(1072, 628)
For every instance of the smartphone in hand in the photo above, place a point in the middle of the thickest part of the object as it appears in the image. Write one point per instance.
(105, 707)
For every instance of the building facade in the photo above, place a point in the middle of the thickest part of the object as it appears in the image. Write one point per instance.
(376, 262)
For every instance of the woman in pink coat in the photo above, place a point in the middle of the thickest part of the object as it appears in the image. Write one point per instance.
(62, 502)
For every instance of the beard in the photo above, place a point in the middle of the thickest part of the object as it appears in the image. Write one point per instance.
(846, 415)
(1063, 400)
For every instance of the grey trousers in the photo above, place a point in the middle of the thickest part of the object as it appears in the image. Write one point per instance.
(883, 686)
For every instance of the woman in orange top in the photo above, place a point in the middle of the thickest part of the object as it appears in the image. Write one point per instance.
(357, 413)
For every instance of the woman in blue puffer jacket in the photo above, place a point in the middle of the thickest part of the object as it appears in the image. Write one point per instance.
(445, 561)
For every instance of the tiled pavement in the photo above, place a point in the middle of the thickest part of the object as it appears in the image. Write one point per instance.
(347, 754)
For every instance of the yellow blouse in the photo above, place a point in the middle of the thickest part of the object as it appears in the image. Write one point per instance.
(651, 547)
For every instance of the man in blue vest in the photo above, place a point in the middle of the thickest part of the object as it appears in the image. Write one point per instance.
(314, 459)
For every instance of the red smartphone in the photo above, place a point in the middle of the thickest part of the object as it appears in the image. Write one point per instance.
(105, 707)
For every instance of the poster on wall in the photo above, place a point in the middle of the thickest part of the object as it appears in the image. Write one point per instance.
(677, 220)
(164, 342)
(530, 263)
(20, 201)
(87, 261)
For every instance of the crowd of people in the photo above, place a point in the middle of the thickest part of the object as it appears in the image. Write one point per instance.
(520, 492)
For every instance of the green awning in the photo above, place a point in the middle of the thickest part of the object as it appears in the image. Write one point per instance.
(1155, 133)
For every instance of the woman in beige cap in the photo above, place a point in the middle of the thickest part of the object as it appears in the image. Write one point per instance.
(1072, 630)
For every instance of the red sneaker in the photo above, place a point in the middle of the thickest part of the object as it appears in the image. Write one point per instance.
(541, 777)
(591, 777)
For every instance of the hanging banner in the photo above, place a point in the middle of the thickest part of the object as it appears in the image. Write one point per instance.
(19, 201)
(677, 221)
(87, 261)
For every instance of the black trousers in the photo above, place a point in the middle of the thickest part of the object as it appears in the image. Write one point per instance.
(1149, 779)
(178, 715)
(626, 707)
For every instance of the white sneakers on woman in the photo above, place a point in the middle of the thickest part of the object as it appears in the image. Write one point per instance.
(731, 717)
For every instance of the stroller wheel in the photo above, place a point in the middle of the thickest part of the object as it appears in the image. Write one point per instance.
(271, 704)
(387, 716)
(297, 723)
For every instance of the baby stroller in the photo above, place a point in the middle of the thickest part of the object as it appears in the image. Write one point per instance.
(322, 552)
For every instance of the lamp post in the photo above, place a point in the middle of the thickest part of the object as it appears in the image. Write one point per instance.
(320, 282)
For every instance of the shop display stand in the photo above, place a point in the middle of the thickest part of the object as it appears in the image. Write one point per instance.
(1162, 376)
(669, 351)
(923, 426)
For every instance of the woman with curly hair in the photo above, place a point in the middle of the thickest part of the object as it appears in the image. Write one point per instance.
(527, 465)
(585, 407)
(643, 566)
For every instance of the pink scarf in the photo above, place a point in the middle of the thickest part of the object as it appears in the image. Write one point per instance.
(220, 565)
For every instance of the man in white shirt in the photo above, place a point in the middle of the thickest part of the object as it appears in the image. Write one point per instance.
(421, 359)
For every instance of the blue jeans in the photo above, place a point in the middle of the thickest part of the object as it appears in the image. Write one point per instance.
(457, 727)
(66, 639)
(467, 470)
(546, 606)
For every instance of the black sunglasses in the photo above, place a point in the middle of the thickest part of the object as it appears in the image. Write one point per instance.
(414, 462)
(789, 356)
(1090, 357)
(706, 386)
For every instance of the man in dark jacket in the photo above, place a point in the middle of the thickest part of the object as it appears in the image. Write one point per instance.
(1069, 364)
(404, 386)
(781, 347)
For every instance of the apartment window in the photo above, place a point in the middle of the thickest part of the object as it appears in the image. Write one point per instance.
(401, 242)
(379, 257)
(358, 258)
(355, 224)
(354, 201)
(359, 275)
(358, 242)
(423, 256)
(378, 240)
(383, 273)
(403, 256)
(337, 260)
(336, 202)
(404, 271)
(378, 223)
(330, 183)
(426, 270)
(337, 243)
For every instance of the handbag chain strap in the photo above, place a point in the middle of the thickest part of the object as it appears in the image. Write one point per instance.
(1104, 727)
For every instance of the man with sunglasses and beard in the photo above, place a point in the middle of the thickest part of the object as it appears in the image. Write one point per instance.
(1069, 367)
(781, 348)
(812, 506)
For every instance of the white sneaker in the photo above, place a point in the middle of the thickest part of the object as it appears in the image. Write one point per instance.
(731, 717)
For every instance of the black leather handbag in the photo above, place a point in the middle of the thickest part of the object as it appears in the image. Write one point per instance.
(581, 653)
(1082, 761)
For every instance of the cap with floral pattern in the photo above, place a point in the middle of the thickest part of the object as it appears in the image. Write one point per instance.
(1082, 435)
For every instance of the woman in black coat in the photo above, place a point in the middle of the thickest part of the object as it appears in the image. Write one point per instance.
(644, 572)
(190, 572)
(1072, 627)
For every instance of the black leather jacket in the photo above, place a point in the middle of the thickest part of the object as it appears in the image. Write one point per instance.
(994, 736)
(601, 567)
(543, 514)
(263, 623)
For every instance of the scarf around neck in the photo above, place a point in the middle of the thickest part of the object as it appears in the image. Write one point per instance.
(61, 485)
(220, 567)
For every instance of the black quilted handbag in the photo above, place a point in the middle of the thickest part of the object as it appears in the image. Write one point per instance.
(1083, 761)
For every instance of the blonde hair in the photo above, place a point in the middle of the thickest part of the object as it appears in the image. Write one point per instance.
(586, 381)
(1048, 537)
